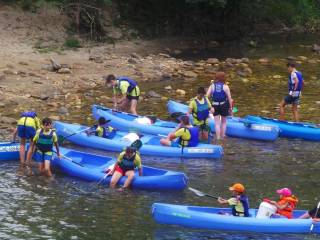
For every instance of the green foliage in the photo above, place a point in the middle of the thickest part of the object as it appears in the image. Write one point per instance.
(72, 43)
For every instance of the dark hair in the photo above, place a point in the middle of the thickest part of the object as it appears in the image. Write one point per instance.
(130, 149)
(102, 121)
(201, 90)
(185, 120)
(291, 64)
(46, 121)
(109, 78)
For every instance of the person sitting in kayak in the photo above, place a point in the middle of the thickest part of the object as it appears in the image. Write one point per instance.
(313, 213)
(128, 91)
(186, 135)
(286, 204)
(26, 129)
(43, 142)
(200, 107)
(127, 161)
(239, 202)
(102, 129)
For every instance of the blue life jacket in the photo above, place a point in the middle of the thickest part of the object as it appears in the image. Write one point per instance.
(245, 203)
(202, 112)
(132, 83)
(127, 163)
(28, 114)
(45, 142)
(300, 82)
(106, 132)
(218, 95)
(194, 137)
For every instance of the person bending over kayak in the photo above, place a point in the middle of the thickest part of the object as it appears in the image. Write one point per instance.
(126, 89)
(26, 129)
(127, 161)
(43, 142)
(286, 204)
(186, 135)
(102, 129)
(239, 202)
(200, 107)
(295, 85)
(221, 100)
(313, 213)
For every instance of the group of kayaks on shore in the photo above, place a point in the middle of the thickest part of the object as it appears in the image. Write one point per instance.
(135, 135)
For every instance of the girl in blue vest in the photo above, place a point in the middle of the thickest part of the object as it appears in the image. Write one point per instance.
(295, 85)
(43, 143)
(221, 100)
(200, 107)
(102, 129)
(26, 129)
(126, 92)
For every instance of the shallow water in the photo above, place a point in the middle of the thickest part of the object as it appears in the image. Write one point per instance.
(68, 208)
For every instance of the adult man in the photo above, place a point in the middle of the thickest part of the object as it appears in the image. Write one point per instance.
(295, 85)
(126, 89)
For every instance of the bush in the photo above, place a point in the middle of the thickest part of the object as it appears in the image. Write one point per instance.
(72, 43)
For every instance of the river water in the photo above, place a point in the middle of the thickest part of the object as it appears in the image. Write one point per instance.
(68, 208)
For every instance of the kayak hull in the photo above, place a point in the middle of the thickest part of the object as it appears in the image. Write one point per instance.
(91, 167)
(306, 131)
(151, 144)
(9, 151)
(236, 127)
(209, 218)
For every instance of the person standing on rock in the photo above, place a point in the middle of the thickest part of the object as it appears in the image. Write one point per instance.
(200, 107)
(295, 85)
(220, 95)
(126, 92)
(26, 129)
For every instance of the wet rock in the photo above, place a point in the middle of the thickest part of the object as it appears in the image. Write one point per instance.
(2, 77)
(64, 71)
(229, 64)
(63, 110)
(168, 88)
(153, 94)
(302, 58)
(213, 61)
(8, 120)
(315, 48)
(264, 61)
(181, 92)
(210, 69)
(190, 74)
(231, 60)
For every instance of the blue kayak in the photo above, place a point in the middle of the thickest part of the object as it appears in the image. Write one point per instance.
(151, 144)
(9, 151)
(91, 167)
(128, 122)
(236, 127)
(209, 218)
(306, 131)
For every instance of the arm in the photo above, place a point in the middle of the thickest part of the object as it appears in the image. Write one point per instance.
(228, 93)
(113, 169)
(191, 107)
(278, 205)
(222, 200)
(57, 149)
(209, 92)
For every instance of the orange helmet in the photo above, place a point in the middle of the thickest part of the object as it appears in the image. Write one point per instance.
(238, 187)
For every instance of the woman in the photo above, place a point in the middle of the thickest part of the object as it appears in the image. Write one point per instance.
(220, 96)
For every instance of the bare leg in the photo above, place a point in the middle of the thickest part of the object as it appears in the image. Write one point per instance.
(281, 109)
(217, 126)
(125, 105)
(223, 126)
(133, 106)
(295, 112)
(22, 151)
(115, 178)
(47, 170)
(130, 175)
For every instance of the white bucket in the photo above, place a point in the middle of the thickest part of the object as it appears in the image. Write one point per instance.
(266, 210)
(130, 137)
(143, 120)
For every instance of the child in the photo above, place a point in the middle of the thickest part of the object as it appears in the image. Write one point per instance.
(26, 128)
(102, 129)
(43, 141)
(286, 204)
(239, 202)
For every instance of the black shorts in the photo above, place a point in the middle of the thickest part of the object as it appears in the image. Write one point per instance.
(222, 110)
(292, 100)
(132, 97)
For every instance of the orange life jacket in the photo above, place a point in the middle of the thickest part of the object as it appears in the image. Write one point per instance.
(287, 211)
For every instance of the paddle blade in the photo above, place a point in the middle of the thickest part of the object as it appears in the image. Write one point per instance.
(197, 192)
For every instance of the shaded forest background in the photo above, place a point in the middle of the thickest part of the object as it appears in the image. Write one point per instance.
(223, 19)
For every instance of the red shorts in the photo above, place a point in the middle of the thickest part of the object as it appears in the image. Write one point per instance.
(119, 170)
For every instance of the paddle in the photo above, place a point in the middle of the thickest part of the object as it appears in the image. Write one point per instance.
(315, 215)
(62, 138)
(201, 194)
(70, 159)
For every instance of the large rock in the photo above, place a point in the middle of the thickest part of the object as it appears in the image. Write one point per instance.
(181, 92)
(316, 48)
(302, 58)
(264, 61)
(56, 66)
(8, 120)
(213, 61)
(63, 110)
